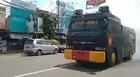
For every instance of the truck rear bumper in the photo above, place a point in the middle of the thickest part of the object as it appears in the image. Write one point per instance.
(83, 55)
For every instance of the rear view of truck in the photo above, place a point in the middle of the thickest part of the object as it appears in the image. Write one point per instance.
(99, 38)
(87, 37)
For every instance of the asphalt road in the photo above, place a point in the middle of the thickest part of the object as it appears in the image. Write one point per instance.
(18, 65)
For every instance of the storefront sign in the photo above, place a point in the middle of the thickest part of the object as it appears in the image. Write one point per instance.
(20, 36)
(23, 18)
(95, 2)
(65, 14)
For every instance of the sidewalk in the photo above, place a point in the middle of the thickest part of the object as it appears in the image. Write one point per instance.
(11, 52)
(9, 55)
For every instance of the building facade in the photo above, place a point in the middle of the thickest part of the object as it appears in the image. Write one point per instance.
(65, 12)
(3, 33)
(20, 24)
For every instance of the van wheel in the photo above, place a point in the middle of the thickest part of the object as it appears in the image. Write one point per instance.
(111, 59)
(55, 51)
(39, 53)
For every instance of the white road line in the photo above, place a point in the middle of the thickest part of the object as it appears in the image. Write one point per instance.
(36, 72)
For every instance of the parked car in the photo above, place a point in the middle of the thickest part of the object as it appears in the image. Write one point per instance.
(39, 47)
(61, 47)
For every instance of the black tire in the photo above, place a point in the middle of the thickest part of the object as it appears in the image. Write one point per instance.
(118, 58)
(130, 57)
(39, 53)
(55, 51)
(111, 59)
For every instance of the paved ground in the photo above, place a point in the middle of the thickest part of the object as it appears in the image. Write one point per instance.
(18, 65)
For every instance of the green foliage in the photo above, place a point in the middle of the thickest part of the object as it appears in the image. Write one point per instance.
(49, 25)
(40, 35)
(45, 37)
(54, 42)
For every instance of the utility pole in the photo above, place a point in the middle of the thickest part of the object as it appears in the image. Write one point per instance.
(58, 17)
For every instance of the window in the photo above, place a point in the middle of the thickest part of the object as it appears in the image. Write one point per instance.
(49, 43)
(41, 42)
(38, 42)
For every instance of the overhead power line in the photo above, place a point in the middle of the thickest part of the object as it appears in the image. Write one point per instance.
(11, 5)
(15, 4)
(24, 9)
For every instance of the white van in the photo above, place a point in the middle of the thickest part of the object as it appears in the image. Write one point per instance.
(39, 47)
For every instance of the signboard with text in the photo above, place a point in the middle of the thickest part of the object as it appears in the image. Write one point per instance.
(21, 36)
(95, 2)
(65, 14)
(23, 18)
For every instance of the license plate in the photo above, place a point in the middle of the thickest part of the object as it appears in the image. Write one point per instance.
(81, 55)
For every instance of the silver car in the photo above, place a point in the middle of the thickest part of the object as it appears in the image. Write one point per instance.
(39, 47)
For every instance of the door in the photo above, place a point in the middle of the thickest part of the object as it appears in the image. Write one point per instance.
(49, 47)
(44, 47)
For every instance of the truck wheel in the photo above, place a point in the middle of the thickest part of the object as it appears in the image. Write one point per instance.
(118, 59)
(39, 53)
(111, 59)
(130, 57)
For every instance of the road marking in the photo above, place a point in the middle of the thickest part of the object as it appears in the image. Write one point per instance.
(36, 72)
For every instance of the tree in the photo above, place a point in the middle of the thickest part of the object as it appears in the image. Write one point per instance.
(49, 25)
(39, 35)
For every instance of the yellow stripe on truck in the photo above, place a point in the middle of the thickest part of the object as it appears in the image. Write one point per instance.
(68, 54)
(97, 56)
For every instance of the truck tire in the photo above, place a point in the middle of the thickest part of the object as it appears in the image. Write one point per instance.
(111, 59)
(118, 58)
(130, 57)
